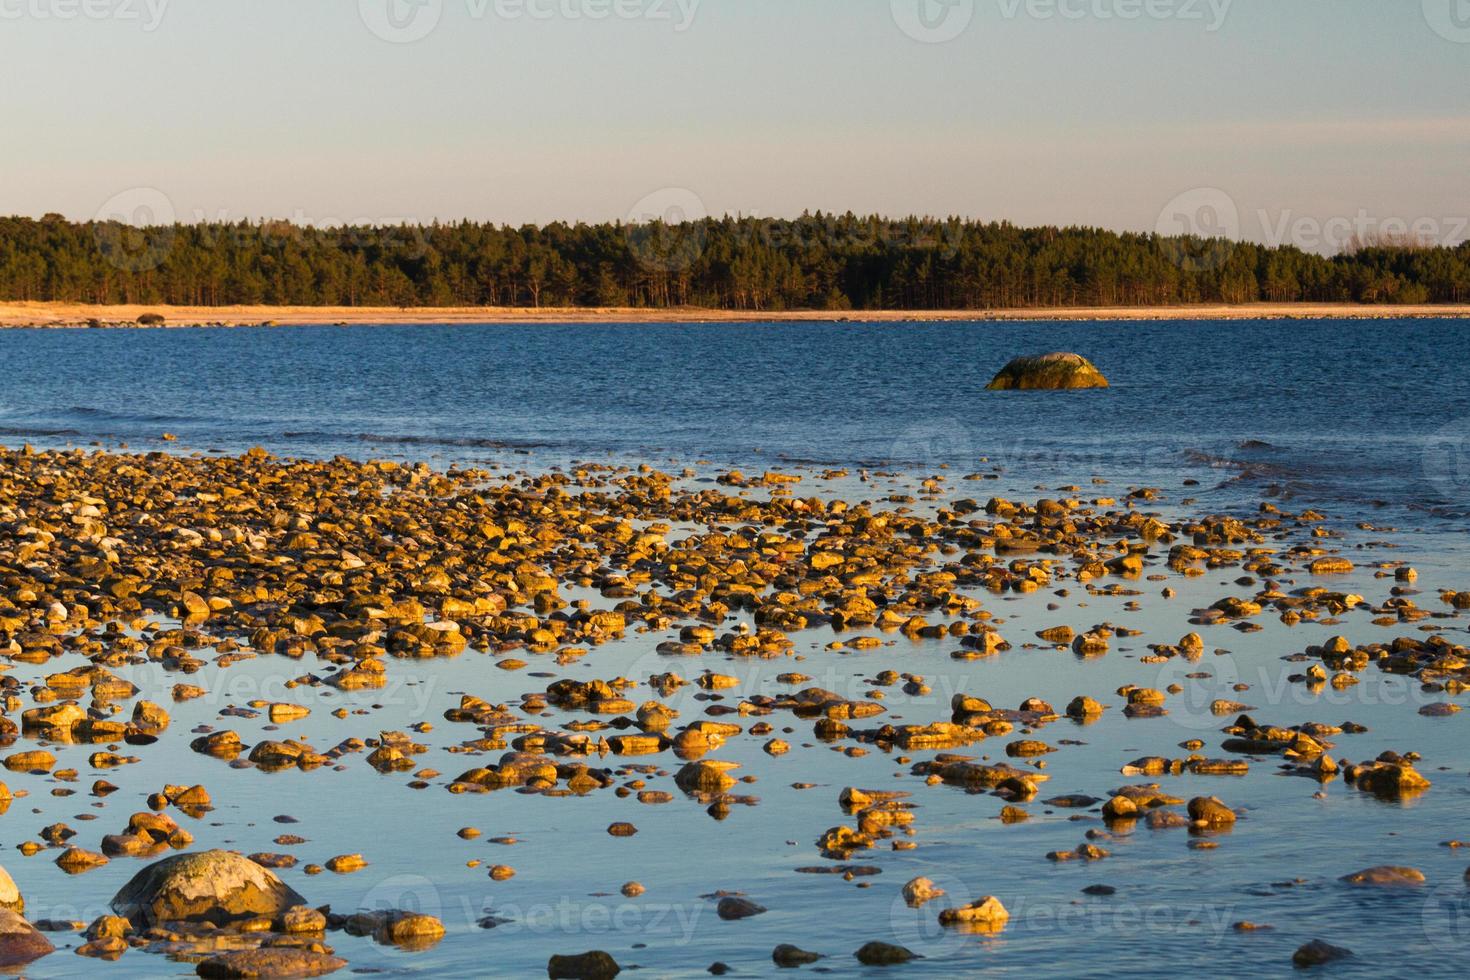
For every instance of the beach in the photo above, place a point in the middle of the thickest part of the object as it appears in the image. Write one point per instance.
(14, 314)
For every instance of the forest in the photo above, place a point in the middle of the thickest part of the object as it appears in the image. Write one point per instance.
(818, 261)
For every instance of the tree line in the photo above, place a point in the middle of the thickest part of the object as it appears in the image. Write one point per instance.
(817, 261)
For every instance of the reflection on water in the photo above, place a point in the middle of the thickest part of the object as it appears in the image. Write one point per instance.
(1222, 405)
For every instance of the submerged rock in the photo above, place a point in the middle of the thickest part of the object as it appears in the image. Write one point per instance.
(735, 907)
(1049, 372)
(270, 961)
(877, 953)
(1386, 876)
(211, 886)
(595, 965)
(788, 956)
(1317, 952)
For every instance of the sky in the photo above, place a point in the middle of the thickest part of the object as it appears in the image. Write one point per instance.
(1272, 120)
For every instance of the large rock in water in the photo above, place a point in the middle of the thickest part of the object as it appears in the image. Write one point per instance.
(20, 942)
(10, 897)
(1048, 372)
(212, 886)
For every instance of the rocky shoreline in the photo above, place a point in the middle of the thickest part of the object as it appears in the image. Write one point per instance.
(350, 572)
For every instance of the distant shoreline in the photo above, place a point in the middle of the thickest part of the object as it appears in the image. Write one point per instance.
(77, 315)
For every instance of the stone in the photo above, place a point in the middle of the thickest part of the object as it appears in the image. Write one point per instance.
(1209, 812)
(1392, 781)
(107, 948)
(705, 776)
(988, 911)
(269, 961)
(109, 927)
(1317, 952)
(345, 864)
(20, 942)
(10, 896)
(787, 956)
(1050, 372)
(878, 953)
(734, 907)
(211, 886)
(920, 890)
(1083, 707)
(411, 930)
(1386, 876)
(595, 965)
(303, 919)
(76, 860)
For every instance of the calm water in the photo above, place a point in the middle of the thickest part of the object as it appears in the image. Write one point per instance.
(1340, 411)
(1361, 419)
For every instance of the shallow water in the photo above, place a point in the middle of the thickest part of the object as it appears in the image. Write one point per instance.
(1341, 411)
(1344, 430)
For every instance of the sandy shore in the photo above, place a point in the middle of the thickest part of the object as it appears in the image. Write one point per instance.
(78, 314)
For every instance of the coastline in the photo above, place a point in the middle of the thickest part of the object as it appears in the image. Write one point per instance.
(79, 315)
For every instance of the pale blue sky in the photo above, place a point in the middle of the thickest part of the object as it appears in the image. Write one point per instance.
(1304, 109)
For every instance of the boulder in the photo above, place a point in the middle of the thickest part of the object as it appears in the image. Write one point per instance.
(1386, 876)
(10, 896)
(595, 965)
(397, 927)
(20, 942)
(1048, 372)
(1317, 952)
(210, 886)
(735, 907)
(1209, 812)
(270, 961)
(788, 956)
(877, 953)
(988, 913)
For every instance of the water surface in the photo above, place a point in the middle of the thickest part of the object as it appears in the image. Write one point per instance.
(1359, 419)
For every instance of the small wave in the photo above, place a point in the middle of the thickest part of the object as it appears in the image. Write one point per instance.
(1249, 468)
(109, 415)
(375, 438)
(37, 432)
(791, 460)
